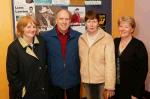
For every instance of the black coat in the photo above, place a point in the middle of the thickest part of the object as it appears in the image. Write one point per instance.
(133, 68)
(24, 70)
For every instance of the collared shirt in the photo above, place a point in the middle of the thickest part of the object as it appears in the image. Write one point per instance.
(63, 38)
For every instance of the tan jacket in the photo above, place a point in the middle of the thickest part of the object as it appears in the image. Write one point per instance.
(98, 61)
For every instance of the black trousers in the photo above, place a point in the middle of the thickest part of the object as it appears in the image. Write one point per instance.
(121, 94)
(125, 94)
(146, 95)
(71, 93)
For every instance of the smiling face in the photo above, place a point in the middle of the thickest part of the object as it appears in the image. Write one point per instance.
(30, 9)
(45, 14)
(125, 29)
(29, 30)
(126, 26)
(63, 20)
(27, 26)
(76, 11)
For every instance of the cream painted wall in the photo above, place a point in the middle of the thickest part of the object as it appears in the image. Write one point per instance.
(120, 8)
(5, 38)
(142, 16)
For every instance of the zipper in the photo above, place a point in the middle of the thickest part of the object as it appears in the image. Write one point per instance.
(64, 65)
(88, 64)
(88, 57)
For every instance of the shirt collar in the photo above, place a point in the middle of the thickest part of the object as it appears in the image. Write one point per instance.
(59, 33)
(25, 44)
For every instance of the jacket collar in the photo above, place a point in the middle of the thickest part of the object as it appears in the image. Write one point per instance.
(24, 44)
(72, 33)
(101, 34)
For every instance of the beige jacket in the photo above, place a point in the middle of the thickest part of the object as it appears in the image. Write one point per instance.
(98, 61)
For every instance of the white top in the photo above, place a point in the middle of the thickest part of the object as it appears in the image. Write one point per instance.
(91, 39)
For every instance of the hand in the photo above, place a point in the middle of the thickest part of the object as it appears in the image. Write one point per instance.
(108, 93)
(23, 91)
(133, 97)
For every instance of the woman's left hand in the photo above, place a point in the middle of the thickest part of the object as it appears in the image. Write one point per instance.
(132, 97)
(108, 93)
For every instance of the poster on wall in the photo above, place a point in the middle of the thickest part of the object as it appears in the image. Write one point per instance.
(93, 2)
(42, 2)
(60, 2)
(22, 8)
(45, 15)
(77, 20)
(77, 2)
(45, 10)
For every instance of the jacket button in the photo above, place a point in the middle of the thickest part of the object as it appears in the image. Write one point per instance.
(40, 67)
(42, 88)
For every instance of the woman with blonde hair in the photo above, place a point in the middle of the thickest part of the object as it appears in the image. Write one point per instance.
(131, 61)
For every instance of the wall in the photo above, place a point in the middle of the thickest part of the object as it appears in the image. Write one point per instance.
(119, 8)
(142, 15)
(5, 38)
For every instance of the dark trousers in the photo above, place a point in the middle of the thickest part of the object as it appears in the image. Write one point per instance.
(125, 94)
(121, 94)
(146, 95)
(71, 93)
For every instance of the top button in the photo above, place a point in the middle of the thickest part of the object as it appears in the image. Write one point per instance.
(42, 88)
(40, 67)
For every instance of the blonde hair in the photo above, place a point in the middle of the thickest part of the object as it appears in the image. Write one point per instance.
(22, 23)
(127, 19)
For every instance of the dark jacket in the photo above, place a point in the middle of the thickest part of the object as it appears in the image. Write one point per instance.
(133, 68)
(25, 70)
(63, 73)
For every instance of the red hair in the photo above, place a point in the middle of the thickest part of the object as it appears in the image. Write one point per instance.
(22, 23)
